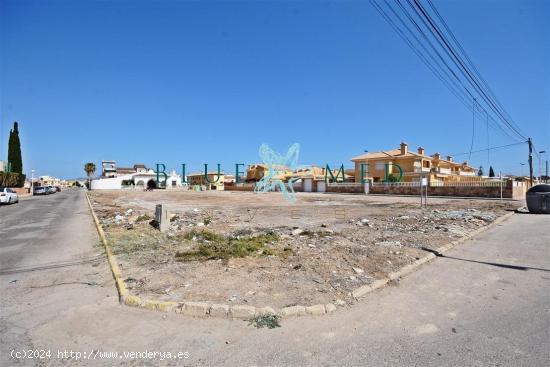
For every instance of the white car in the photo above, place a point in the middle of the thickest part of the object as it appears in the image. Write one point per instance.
(8, 196)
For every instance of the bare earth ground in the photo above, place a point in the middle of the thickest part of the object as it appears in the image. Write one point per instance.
(316, 250)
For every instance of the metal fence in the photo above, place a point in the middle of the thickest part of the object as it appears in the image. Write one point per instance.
(473, 183)
(433, 183)
(345, 184)
(396, 184)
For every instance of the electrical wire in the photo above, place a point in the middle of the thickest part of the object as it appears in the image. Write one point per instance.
(484, 150)
(473, 129)
(428, 28)
(462, 94)
(471, 64)
(459, 62)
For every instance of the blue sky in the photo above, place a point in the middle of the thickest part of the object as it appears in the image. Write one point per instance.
(208, 82)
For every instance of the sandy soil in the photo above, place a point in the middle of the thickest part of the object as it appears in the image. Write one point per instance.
(339, 242)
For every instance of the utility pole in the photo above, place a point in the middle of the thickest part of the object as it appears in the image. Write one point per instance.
(500, 179)
(530, 142)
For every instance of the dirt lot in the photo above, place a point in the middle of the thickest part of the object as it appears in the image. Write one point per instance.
(257, 249)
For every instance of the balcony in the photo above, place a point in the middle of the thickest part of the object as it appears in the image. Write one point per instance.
(445, 171)
(422, 169)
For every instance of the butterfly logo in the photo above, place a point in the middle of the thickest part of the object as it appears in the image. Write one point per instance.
(277, 169)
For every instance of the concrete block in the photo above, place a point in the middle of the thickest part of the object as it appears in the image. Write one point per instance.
(316, 310)
(219, 310)
(330, 307)
(293, 311)
(379, 283)
(265, 310)
(196, 309)
(132, 301)
(361, 291)
(242, 312)
(179, 307)
(167, 306)
(150, 305)
(161, 217)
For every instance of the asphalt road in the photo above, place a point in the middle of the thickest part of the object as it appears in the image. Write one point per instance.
(486, 303)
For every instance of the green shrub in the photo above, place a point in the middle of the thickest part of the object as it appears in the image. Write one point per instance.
(268, 320)
(212, 246)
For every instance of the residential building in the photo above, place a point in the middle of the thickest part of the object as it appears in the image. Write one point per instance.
(391, 164)
(255, 172)
(310, 178)
(137, 177)
(109, 169)
(448, 169)
(211, 181)
(49, 181)
(230, 179)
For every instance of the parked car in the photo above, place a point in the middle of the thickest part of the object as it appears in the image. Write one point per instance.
(8, 196)
(41, 190)
(538, 199)
(50, 190)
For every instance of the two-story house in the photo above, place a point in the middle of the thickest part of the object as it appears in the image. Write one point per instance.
(410, 166)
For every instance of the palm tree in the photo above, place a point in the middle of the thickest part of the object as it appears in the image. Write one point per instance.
(89, 168)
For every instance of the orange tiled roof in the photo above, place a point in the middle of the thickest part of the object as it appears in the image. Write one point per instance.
(394, 153)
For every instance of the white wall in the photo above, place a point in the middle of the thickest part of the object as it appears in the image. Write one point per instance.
(173, 176)
(321, 186)
(307, 184)
(114, 183)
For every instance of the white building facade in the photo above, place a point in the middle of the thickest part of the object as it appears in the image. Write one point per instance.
(141, 180)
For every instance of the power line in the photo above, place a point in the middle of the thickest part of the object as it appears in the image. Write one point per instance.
(473, 129)
(466, 83)
(471, 64)
(484, 150)
(440, 69)
(459, 62)
(488, 140)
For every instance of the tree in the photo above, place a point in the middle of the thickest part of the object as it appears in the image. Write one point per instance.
(392, 178)
(15, 161)
(491, 172)
(89, 168)
(480, 171)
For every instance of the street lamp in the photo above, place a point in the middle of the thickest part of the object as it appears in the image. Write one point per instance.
(540, 167)
(32, 182)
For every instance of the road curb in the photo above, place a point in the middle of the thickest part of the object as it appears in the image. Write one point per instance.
(123, 294)
(208, 309)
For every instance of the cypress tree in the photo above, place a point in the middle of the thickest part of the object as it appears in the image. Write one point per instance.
(480, 171)
(15, 162)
